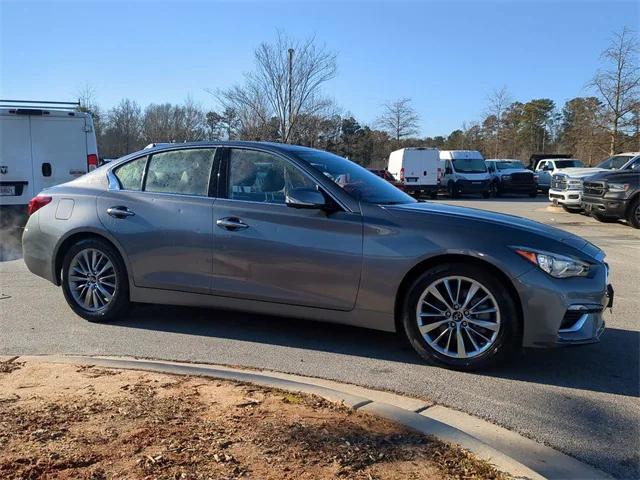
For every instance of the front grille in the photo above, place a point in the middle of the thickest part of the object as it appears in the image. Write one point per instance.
(522, 178)
(559, 182)
(594, 189)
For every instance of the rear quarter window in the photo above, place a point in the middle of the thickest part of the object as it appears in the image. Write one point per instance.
(130, 174)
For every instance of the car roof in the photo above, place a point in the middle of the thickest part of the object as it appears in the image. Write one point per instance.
(272, 146)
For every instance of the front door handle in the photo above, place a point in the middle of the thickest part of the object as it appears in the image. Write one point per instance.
(120, 212)
(231, 223)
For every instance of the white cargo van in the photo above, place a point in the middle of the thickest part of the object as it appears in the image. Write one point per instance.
(465, 171)
(417, 168)
(41, 144)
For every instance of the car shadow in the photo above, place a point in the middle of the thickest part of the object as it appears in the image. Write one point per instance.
(611, 366)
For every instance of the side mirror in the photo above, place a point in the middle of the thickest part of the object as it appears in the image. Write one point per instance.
(305, 198)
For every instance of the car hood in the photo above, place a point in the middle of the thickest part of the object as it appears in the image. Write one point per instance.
(615, 175)
(502, 219)
(575, 172)
(509, 171)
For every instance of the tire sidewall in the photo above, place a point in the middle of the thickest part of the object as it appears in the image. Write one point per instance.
(120, 300)
(632, 214)
(508, 336)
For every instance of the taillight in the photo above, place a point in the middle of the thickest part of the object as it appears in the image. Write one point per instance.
(37, 202)
(402, 174)
(92, 161)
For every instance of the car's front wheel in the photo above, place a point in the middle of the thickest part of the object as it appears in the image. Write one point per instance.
(633, 216)
(94, 280)
(461, 316)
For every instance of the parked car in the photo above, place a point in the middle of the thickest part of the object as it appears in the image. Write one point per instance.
(382, 173)
(510, 176)
(289, 230)
(620, 161)
(566, 186)
(613, 195)
(535, 159)
(42, 145)
(464, 172)
(549, 166)
(417, 168)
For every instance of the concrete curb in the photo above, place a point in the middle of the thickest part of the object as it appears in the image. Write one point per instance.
(506, 450)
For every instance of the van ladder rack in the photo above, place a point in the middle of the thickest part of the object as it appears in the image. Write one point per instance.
(39, 104)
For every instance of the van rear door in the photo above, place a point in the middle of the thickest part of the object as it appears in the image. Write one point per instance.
(59, 146)
(16, 176)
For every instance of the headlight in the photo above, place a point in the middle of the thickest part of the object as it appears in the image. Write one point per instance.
(618, 187)
(557, 266)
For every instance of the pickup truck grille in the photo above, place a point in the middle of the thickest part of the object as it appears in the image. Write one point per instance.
(595, 189)
(522, 178)
(559, 182)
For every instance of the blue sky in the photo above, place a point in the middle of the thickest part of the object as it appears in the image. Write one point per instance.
(446, 56)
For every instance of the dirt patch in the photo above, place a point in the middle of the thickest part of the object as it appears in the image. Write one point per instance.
(64, 421)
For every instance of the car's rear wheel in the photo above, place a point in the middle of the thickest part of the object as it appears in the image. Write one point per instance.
(633, 217)
(461, 316)
(94, 280)
(452, 189)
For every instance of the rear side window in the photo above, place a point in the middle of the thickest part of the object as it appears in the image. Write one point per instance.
(130, 174)
(184, 172)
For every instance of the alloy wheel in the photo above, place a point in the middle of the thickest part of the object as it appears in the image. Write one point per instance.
(92, 279)
(458, 317)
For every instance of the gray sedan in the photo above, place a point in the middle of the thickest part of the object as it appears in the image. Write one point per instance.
(294, 231)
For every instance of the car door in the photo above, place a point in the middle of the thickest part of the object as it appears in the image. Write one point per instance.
(544, 175)
(161, 214)
(265, 250)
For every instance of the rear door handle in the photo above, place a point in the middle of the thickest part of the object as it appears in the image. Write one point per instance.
(120, 212)
(231, 223)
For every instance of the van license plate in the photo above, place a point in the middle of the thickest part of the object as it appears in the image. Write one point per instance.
(7, 190)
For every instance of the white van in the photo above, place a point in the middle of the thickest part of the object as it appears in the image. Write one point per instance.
(42, 144)
(417, 168)
(465, 171)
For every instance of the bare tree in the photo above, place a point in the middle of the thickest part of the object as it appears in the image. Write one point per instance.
(87, 103)
(498, 102)
(618, 85)
(285, 85)
(124, 128)
(399, 119)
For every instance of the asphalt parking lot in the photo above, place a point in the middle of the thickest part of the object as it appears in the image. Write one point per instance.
(581, 400)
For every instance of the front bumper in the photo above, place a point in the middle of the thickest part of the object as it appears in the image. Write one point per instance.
(565, 197)
(606, 207)
(508, 187)
(568, 311)
(472, 186)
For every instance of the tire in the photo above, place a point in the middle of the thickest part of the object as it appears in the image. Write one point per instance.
(633, 214)
(433, 195)
(103, 307)
(507, 338)
(486, 194)
(533, 194)
(493, 189)
(452, 190)
(571, 209)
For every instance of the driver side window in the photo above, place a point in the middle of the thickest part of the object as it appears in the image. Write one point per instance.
(262, 177)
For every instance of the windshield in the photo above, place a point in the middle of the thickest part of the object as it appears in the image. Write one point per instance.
(469, 165)
(615, 162)
(568, 163)
(509, 164)
(357, 181)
